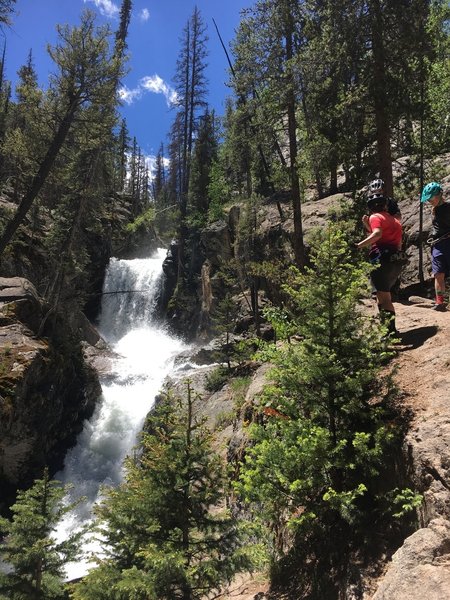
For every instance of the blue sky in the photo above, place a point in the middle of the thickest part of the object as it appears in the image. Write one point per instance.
(155, 30)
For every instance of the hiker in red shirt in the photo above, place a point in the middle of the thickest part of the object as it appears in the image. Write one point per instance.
(385, 241)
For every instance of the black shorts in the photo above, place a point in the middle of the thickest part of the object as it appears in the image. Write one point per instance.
(385, 275)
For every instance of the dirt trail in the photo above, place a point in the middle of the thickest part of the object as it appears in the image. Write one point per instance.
(424, 359)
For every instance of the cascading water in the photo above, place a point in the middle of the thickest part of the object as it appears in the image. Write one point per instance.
(145, 357)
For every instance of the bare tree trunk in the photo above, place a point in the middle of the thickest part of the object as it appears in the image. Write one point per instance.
(184, 169)
(317, 177)
(333, 179)
(299, 248)
(380, 99)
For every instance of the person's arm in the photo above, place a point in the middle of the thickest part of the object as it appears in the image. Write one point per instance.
(370, 239)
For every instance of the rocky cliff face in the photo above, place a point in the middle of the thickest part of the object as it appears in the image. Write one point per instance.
(46, 388)
(421, 567)
(223, 242)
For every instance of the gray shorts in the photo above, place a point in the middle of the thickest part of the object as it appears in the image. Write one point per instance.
(385, 275)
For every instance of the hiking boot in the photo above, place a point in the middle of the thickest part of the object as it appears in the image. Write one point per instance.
(440, 307)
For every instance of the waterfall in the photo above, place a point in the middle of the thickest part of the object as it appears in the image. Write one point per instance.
(145, 357)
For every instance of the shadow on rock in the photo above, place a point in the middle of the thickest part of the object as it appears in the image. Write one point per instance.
(417, 337)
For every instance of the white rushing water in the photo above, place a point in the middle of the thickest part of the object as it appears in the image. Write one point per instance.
(146, 354)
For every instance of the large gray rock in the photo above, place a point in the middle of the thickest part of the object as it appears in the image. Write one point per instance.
(27, 304)
(420, 569)
(216, 243)
(17, 288)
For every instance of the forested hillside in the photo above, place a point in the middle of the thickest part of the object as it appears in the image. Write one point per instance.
(293, 449)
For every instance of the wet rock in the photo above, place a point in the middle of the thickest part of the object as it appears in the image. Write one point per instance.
(215, 242)
(46, 389)
(170, 263)
(100, 357)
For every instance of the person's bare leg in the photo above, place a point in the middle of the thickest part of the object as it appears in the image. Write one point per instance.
(384, 301)
(387, 311)
(439, 287)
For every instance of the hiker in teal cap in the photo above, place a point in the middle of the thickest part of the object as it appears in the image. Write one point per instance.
(440, 239)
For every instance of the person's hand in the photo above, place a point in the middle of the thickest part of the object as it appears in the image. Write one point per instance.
(365, 220)
(355, 245)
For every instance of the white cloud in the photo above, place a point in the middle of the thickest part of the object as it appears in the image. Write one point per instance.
(149, 84)
(144, 15)
(106, 7)
(158, 86)
(150, 163)
(129, 96)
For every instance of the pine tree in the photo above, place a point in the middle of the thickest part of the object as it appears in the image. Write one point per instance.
(316, 455)
(36, 559)
(124, 142)
(26, 130)
(267, 44)
(6, 8)
(204, 153)
(86, 78)
(191, 88)
(122, 31)
(167, 534)
(5, 94)
(236, 153)
(435, 81)
(166, 215)
(159, 176)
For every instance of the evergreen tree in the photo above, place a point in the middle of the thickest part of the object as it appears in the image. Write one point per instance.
(85, 181)
(5, 91)
(268, 39)
(6, 8)
(36, 558)
(165, 216)
(334, 115)
(435, 82)
(236, 152)
(159, 176)
(316, 455)
(205, 151)
(122, 31)
(342, 67)
(23, 142)
(357, 80)
(167, 534)
(191, 88)
(87, 77)
(123, 149)
(224, 321)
